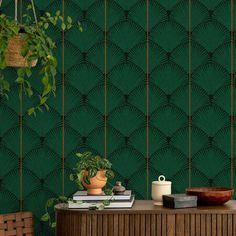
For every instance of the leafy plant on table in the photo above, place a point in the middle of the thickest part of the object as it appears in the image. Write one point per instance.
(37, 45)
(92, 164)
(87, 162)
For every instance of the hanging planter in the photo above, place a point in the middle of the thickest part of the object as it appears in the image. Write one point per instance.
(13, 56)
(25, 44)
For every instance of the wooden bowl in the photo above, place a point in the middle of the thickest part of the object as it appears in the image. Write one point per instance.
(211, 195)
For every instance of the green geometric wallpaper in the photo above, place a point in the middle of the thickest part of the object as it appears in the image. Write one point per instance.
(148, 84)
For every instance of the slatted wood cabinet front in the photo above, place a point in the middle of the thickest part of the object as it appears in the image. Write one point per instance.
(144, 219)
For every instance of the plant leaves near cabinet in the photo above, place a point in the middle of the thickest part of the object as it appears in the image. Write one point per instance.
(91, 164)
(36, 45)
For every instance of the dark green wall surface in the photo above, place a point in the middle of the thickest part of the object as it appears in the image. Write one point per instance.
(148, 84)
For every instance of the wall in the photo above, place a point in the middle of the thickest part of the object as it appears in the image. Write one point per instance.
(148, 84)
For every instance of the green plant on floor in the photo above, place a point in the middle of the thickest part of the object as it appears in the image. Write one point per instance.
(37, 46)
(91, 164)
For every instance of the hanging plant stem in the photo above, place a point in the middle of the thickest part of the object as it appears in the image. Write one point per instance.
(36, 46)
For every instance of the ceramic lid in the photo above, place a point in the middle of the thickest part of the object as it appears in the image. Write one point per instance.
(162, 181)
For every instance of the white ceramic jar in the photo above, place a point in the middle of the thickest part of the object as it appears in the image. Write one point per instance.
(159, 188)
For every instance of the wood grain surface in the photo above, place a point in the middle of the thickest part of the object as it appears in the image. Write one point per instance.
(145, 219)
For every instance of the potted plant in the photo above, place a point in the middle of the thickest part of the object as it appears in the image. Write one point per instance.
(24, 44)
(91, 172)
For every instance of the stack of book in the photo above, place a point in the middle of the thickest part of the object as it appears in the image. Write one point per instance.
(82, 200)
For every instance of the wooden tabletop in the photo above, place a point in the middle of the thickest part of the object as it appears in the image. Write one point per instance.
(147, 207)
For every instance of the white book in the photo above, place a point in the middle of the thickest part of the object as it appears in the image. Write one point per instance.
(82, 196)
(113, 204)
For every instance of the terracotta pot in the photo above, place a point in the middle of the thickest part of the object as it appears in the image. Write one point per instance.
(13, 55)
(96, 183)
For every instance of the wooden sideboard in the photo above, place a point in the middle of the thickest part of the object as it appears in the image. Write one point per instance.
(145, 219)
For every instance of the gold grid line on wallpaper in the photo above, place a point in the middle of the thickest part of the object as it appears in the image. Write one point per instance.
(21, 129)
(190, 93)
(147, 96)
(232, 91)
(63, 104)
(105, 78)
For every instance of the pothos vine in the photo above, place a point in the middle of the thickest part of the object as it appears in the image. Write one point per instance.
(37, 45)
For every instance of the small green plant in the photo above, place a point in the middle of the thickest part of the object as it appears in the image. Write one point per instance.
(49, 208)
(37, 45)
(87, 162)
(92, 164)
(49, 217)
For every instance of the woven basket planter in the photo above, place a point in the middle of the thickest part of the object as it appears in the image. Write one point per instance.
(13, 55)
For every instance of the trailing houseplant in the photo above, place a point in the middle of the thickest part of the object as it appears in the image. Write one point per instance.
(85, 172)
(91, 172)
(49, 216)
(49, 208)
(36, 45)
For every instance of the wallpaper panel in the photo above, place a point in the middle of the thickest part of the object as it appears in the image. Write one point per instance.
(148, 84)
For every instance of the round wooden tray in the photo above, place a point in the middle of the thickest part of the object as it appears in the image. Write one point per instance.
(211, 195)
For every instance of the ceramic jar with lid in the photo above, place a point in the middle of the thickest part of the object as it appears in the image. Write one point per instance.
(159, 188)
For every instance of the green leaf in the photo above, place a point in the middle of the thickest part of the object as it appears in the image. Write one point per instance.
(2, 65)
(92, 172)
(80, 27)
(109, 174)
(63, 198)
(69, 19)
(44, 80)
(106, 202)
(58, 13)
(29, 7)
(86, 180)
(50, 202)
(93, 207)
(40, 109)
(46, 106)
(53, 71)
(24, 51)
(63, 26)
(28, 72)
(20, 80)
(21, 72)
(4, 85)
(46, 25)
(29, 91)
(31, 111)
(53, 225)
(43, 100)
(108, 191)
(72, 177)
(79, 154)
(16, 29)
(45, 217)
(46, 90)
